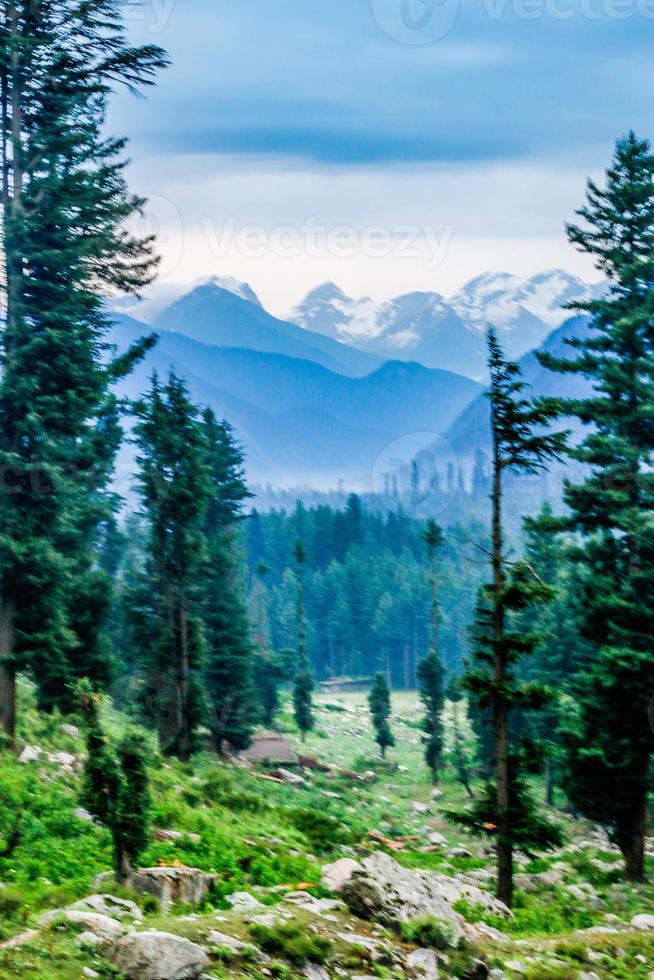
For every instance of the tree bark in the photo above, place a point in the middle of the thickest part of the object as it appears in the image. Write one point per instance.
(122, 866)
(500, 707)
(632, 844)
(7, 675)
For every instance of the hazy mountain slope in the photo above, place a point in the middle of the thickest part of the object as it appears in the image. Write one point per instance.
(225, 313)
(298, 421)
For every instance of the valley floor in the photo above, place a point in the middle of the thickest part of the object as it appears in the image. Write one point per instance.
(574, 917)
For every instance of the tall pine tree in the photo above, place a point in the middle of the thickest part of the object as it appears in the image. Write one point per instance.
(174, 485)
(612, 509)
(304, 683)
(431, 675)
(65, 203)
(519, 446)
(379, 702)
(228, 672)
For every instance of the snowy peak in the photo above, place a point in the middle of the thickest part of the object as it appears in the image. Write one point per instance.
(329, 311)
(508, 301)
(230, 285)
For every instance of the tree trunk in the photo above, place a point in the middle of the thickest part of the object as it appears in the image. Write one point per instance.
(122, 866)
(7, 675)
(500, 707)
(632, 844)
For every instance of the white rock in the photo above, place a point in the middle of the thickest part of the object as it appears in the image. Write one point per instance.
(83, 815)
(88, 972)
(158, 956)
(643, 921)
(490, 933)
(31, 753)
(335, 876)
(516, 966)
(89, 940)
(314, 972)
(423, 963)
(71, 730)
(115, 908)
(221, 939)
(293, 778)
(419, 807)
(242, 901)
(101, 925)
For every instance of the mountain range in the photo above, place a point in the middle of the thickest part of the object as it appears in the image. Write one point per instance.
(448, 333)
(312, 409)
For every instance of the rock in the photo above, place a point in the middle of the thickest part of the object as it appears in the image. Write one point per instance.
(220, 939)
(186, 886)
(158, 956)
(71, 730)
(458, 852)
(436, 794)
(422, 963)
(335, 876)
(89, 940)
(314, 972)
(20, 940)
(31, 753)
(516, 966)
(643, 921)
(490, 933)
(419, 807)
(114, 908)
(102, 926)
(64, 759)
(293, 778)
(88, 972)
(363, 942)
(384, 891)
(243, 901)
(436, 839)
(83, 815)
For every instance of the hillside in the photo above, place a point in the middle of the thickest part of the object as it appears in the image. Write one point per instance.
(272, 910)
(299, 421)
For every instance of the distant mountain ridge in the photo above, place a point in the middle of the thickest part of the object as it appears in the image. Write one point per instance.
(448, 333)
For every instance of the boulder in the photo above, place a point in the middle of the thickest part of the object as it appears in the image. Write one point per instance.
(158, 956)
(422, 963)
(293, 778)
(71, 730)
(184, 886)
(222, 939)
(114, 908)
(314, 972)
(643, 921)
(383, 890)
(243, 901)
(419, 807)
(31, 753)
(83, 815)
(335, 876)
(102, 926)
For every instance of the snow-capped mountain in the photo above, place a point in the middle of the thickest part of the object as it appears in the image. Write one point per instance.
(447, 333)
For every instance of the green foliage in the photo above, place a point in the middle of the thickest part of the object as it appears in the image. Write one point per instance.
(115, 787)
(323, 831)
(428, 931)
(431, 681)
(612, 508)
(289, 940)
(379, 702)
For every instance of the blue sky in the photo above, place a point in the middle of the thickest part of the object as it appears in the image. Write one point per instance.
(479, 120)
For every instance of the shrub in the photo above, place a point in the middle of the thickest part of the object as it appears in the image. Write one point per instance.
(428, 931)
(322, 831)
(288, 940)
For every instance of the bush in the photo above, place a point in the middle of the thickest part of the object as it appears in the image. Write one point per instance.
(287, 939)
(428, 931)
(322, 831)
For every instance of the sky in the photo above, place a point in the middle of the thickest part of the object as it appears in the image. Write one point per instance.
(387, 145)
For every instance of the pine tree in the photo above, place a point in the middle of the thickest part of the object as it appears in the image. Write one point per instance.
(304, 683)
(174, 485)
(65, 203)
(519, 446)
(379, 701)
(115, 785)
(459, 751)
(612, 509)
(431, 675)
(229, 669)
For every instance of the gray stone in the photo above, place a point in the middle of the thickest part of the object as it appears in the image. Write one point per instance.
(115, 908)
(314, 972)
(89, 940)
(458, 852)
(221, 939)
(184, 886)
(88, 972)
(490, 933)
(31, 753)
(419, 807)
(293, 778)
(101, 925)
(423, 963)
(84, 815)
(158, 956)
(71, 730)
(384, 891)
(335, 876)
(243, 901)
(643, 921)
